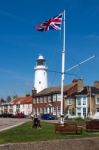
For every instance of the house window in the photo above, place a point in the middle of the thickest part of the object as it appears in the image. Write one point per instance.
(97, 100)
(70, 111)
(34, 110)
(49, 98)
(38, 100)
(34, 101)
(54, 97)
(41, 99)
(29, 106)
(79, 112)
(45, 110)
(41, 110)
(54, 109)
(58, 97)
(84, 101)
(17, 106)
(69, 101)
(97, 109)
(23, 105)
(78, 101)
(84, 112)
(45, 99)
(58, 108)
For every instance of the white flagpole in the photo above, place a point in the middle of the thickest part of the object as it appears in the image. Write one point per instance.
(63, 72)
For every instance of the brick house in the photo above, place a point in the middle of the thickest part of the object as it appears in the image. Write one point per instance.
(79, 100)
(49, 99)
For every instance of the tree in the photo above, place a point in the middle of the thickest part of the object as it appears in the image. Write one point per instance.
(2, 100)
(8, 99)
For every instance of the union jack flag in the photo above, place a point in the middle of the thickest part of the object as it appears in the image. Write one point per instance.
(53, 23)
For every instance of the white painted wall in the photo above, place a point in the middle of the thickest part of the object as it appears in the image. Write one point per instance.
(40, 79)
(83, 105)
(40, 75)
(14, 109)
(26, 109)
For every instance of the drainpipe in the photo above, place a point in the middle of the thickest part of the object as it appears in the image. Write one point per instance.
(90, 99)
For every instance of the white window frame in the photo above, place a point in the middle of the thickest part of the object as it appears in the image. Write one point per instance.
(84, 101)
(54, 97)
(45, 99)
(97, 109)
(58, 97)
(49, 98)
(78, 100)
(69, 101)
(41, 99)
(96, 100)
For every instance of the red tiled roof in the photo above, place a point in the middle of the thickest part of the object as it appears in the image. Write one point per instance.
(23, 100)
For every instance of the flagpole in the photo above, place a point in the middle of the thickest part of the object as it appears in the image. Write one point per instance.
(63, 72)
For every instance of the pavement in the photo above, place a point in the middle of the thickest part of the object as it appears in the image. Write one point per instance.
(7, 123)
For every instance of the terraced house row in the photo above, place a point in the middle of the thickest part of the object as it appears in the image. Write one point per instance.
(79, 101)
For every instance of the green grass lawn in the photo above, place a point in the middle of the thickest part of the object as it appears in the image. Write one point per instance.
(25, 133)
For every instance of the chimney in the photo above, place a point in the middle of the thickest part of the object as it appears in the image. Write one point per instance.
(96, 84)
(79, 83)
(34, 91)
(27, 95)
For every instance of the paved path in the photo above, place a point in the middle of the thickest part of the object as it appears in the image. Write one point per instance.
(7, 123)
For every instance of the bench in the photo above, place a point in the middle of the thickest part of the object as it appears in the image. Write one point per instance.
(67, 127)
(92, 125)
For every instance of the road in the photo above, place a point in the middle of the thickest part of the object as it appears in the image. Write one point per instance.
(7, 123)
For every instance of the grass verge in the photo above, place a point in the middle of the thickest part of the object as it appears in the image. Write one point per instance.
(25, 133)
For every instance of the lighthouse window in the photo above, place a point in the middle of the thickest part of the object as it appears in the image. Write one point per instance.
(39, 82)
(40, 62)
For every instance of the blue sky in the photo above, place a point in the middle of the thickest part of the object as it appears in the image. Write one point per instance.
(20, 43)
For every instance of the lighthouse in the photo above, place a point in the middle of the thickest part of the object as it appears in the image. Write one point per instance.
(40, 74)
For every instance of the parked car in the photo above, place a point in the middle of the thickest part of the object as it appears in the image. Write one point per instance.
(19, 115)
(47, 117)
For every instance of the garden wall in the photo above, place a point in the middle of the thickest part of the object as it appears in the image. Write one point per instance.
(67, 144)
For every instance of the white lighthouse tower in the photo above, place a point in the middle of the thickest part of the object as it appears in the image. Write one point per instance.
(40, 74)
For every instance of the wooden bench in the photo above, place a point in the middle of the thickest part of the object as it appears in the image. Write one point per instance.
(67, 127)
(92, 125)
